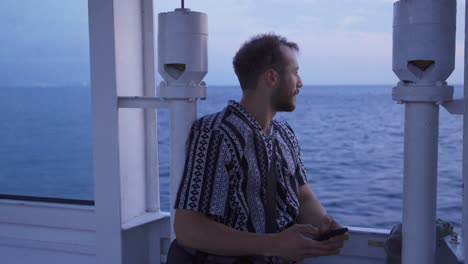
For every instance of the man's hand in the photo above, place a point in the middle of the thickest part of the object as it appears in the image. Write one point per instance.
(296, 243)
(337, 241)
(327, 222)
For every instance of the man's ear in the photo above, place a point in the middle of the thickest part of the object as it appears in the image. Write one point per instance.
(271, 77)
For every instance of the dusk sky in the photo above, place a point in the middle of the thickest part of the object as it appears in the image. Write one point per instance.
(341, 41)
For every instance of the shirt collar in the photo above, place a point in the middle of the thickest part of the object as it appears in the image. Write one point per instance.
(252, 121)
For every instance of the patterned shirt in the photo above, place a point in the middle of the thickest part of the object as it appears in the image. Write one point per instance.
(226, 170)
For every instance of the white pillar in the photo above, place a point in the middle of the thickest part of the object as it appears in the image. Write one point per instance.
(182, 63)
(106, 166)
(122, 64)
(420, 182)
(151, 134)
(182, 115)
(423, 58)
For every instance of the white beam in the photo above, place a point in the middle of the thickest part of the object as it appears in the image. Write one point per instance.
(130, 82)
(182, 115)
(106, 167)
(420, 182)
(455, 107)
(151, 135)
(143, 102)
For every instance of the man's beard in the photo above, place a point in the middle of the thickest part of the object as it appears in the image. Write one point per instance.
(282, 101)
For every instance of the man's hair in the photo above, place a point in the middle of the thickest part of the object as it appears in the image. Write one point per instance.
(259, 54)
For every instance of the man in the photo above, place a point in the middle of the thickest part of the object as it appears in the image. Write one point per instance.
(222, 199)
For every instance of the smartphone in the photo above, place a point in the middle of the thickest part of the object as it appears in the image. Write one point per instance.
(331, 233)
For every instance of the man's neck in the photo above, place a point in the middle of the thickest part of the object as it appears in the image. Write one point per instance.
(259, 109)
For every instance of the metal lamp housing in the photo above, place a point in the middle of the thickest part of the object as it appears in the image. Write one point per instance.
(424, 40)
(182, 46)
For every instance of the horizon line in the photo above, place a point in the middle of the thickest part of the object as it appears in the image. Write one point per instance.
(208, 85)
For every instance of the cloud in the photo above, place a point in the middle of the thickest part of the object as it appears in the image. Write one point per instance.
(352, 20)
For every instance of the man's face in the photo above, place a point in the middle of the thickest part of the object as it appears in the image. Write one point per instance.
(284, 95)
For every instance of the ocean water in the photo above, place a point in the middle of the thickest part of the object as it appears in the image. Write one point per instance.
(351, 140)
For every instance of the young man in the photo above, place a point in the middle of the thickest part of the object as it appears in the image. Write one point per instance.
(222, 200)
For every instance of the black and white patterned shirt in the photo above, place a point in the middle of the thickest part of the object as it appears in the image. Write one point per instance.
(226, 170)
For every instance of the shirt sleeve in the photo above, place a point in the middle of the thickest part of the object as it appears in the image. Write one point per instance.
(205, 181)
(301, 173)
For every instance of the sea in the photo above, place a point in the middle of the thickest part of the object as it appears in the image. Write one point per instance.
(351, 140)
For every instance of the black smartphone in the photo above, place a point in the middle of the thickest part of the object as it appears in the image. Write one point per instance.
(331, 233)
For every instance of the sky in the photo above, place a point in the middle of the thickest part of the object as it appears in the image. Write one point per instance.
(342, 41)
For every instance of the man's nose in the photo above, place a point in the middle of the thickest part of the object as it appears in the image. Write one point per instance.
(299, 83)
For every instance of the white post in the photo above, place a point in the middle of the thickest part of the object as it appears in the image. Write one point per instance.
(182, 115)
(152, 164)
(183, 63)
(420, 182)
(465, 144)
(423, 58)
(106, 166)
(122, 64)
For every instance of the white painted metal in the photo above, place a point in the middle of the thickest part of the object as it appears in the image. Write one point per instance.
(424, 30)
(146, 218)
(420, 182)
(159, 234)
(106, 167)
(65, 234)
(423, 58)
(143, 243)
(189, 91)
(37, 232)
(182, 39)
(142, 228)
(151, 133)
(182, 115)
(20, 255)
(438, 92)
(182, 62)
(62, 216)
(455, 107)
(60, 224)
(72, 241)
(365, 246)
(143, 102)
(130, 82)
(126, 184)
(465, 145)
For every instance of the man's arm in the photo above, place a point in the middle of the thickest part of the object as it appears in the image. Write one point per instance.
(197, 231)
(310, 210)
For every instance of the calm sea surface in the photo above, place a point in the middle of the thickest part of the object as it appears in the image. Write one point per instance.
(351, 140)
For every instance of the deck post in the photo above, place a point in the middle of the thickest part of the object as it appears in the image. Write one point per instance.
(423, 58)
(106, 164)
(182, 63)
(182, 115)
(420, 182)
(124, 141)
(149, 83)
